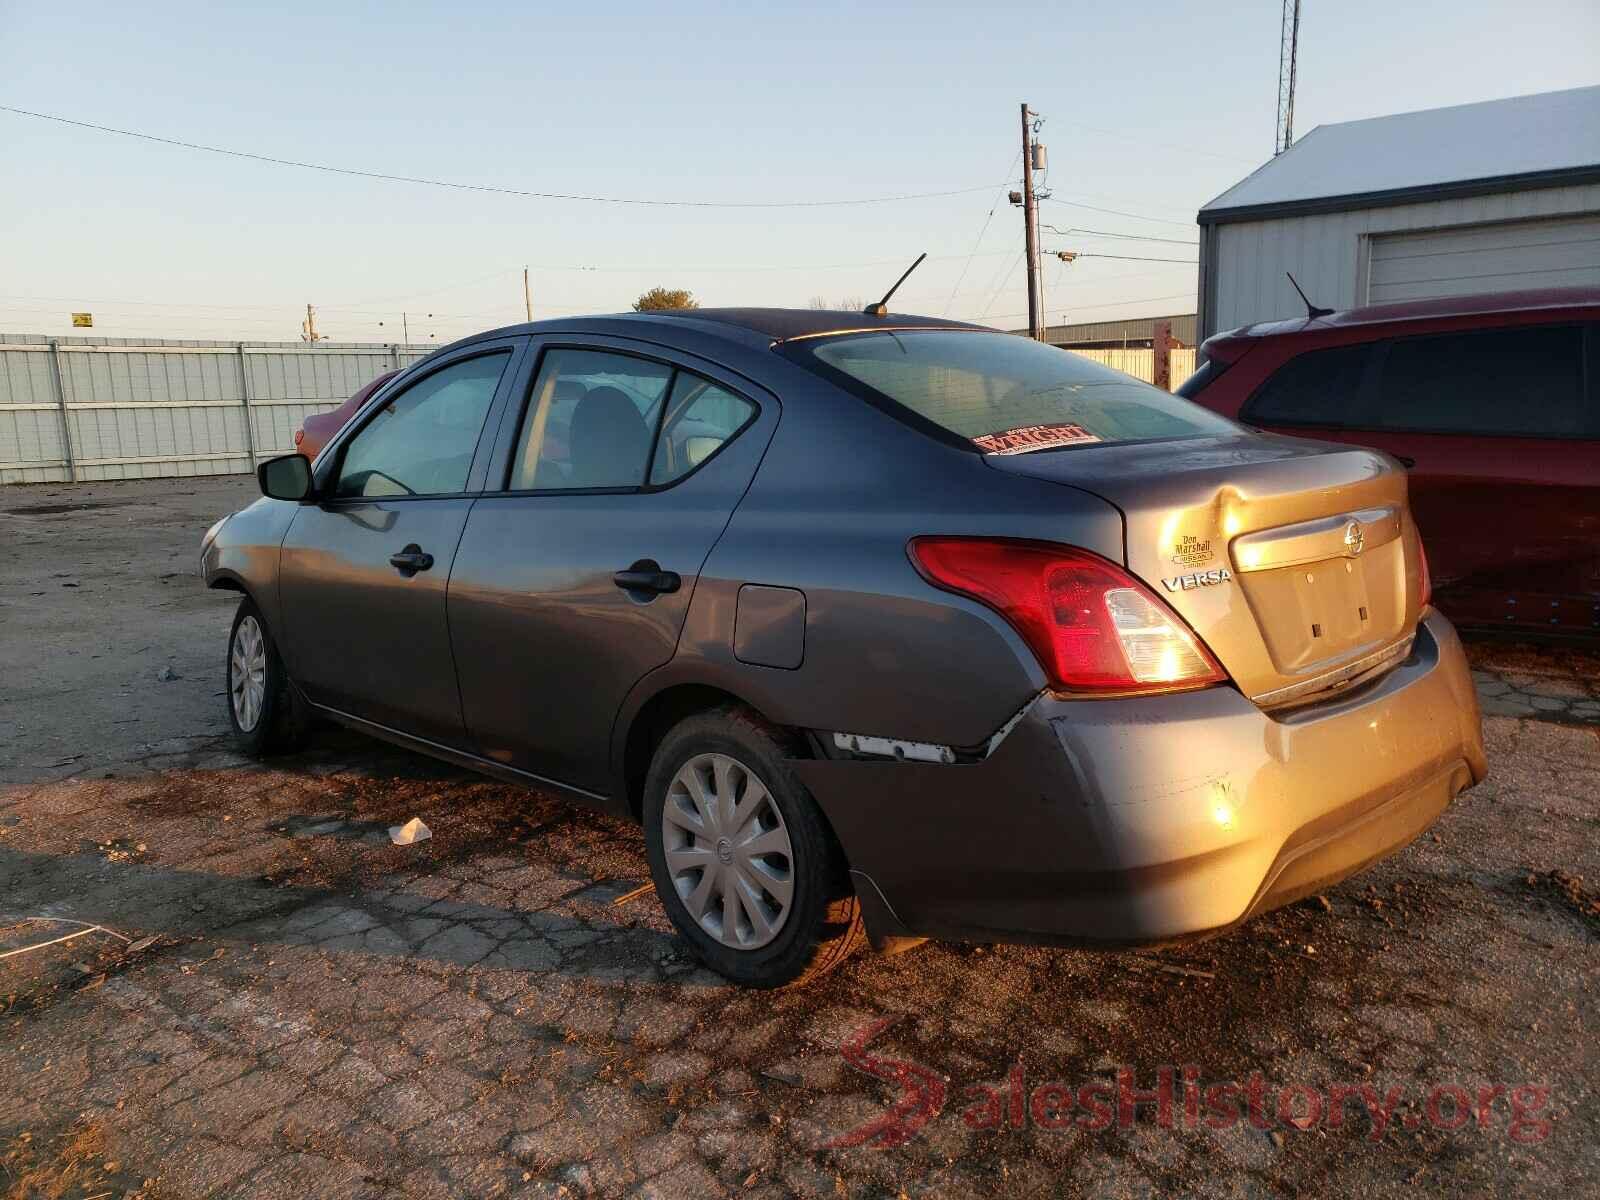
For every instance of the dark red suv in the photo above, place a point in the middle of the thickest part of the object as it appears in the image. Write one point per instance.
(311, 437)
(1492, 402)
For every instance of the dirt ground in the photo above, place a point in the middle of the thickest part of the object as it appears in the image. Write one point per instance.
(256, 994)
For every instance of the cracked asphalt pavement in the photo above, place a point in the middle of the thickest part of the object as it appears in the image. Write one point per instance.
(249, 991)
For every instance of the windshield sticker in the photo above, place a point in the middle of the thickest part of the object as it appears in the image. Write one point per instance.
(1033, 437)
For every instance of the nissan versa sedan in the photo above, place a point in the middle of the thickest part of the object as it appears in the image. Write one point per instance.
(884, 627)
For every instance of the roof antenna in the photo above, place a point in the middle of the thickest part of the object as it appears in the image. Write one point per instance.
(881, 308)
(1312, 311)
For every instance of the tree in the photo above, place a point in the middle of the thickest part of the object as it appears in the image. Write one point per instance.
(848, 304)
(659, 297)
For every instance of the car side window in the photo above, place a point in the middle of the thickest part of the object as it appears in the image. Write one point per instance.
(421, 442)
(700, 418)
(1526, 381)
(1319, 387)
(589, 421)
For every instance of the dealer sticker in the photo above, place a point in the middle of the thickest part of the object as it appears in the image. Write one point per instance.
(1033, 437)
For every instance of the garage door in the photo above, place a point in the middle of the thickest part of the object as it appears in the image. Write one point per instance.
(1485, 258)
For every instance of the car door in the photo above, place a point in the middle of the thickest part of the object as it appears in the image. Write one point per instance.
(365, 570)
(617, 474)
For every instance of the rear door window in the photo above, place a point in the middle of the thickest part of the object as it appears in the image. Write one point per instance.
(590, 421)
(700, 418)
(1318, 387)
(1001, 394)
(1521, 382)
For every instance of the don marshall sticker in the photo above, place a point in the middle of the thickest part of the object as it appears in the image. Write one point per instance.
(1033, 437)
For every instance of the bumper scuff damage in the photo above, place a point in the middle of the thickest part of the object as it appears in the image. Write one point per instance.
(1149, 820)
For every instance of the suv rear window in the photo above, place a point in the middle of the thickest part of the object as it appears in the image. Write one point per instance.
(1002, 394)
(1520, 382)
(1319, 387)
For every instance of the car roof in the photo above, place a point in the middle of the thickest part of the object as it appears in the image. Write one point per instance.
(1379, 316)
(786, 324)
(748, 326)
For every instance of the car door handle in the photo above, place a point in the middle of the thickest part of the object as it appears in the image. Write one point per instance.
(646, 575)
(1406, 461)
(411, 560)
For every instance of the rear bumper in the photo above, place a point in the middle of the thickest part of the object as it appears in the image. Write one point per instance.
(1149, 820)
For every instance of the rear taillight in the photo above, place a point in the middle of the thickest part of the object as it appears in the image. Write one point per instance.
(1426, 578)
(1093, 627)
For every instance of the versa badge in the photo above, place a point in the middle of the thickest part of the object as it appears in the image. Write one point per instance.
(1184, 583)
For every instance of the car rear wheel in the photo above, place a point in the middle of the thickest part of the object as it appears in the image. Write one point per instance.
(266, 715)
(742, 860)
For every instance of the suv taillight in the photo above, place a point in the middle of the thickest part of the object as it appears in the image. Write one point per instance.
(1093, 627)
(1427, 577)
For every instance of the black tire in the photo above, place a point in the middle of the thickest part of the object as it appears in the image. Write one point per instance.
(283, 720)
(823, 925)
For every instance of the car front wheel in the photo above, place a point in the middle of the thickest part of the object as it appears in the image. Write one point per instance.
(742, 860)
(266, 715)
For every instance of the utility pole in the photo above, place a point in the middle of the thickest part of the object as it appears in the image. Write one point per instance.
(405, 327)
(527, 296)
(308, 329)
(1032, 157)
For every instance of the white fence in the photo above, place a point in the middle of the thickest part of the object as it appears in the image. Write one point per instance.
(119, 408)
(1141, 364)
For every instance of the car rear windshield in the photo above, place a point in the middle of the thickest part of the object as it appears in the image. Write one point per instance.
(1003, 394)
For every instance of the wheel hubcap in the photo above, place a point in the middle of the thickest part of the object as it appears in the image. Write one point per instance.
(728, 851)
(247, 673)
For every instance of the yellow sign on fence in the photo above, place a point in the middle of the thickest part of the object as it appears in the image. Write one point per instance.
(83, 320)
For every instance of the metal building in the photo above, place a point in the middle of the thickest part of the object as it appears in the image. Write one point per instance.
(1113, 335)
(1451, 201)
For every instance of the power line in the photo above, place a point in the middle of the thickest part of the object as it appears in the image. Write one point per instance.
(1139, 258)
(1098, 307)
(449, 287)
(1117, 212)
(993, 208)
(484, 187)
(1021, 254)
(1142, 140)
(1130, 237)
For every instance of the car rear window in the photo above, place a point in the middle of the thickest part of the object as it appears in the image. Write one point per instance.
(1002, 394)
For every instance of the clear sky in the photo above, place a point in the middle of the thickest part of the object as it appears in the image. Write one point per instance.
(1151, 109)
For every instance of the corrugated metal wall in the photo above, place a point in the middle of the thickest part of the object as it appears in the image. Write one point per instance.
(1105, 334)
(1328, 251)
(136, 409)
(1141, 364)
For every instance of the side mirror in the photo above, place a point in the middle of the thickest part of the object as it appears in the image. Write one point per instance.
(285, 478)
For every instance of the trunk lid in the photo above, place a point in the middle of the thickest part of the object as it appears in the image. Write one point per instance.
(1295, 561)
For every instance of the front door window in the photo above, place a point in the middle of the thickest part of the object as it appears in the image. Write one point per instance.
(422, 441)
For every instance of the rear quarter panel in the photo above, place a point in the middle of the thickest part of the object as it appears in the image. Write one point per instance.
(842, 490)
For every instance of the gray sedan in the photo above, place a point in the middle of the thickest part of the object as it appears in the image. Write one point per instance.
(884, 627)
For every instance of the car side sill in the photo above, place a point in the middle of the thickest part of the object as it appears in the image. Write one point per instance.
(463, 758)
